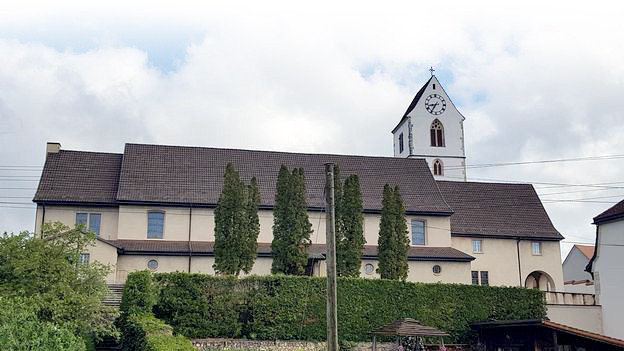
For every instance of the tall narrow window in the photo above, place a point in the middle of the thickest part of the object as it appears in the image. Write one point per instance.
(155, 225)
(418, 232)
(475, 277)
(477, 246)
(485, 280)
(536, 248)
(437, 167)
(401, 143)
(437, 133)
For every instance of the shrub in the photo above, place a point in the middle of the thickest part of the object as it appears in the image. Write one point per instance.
(144, 332)
(200, 305)
(21, 329)
(287, 307)
(139, 294)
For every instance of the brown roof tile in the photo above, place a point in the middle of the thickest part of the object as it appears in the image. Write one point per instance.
(79, 177)
(586, 250)
(408, 327)
(497, 209)
(183, 175)
(264, 249)
(617, 211)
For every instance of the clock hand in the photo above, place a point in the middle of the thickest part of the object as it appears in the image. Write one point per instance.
(434, 106)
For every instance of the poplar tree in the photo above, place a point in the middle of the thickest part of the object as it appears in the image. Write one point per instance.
(236, 225)
(351, 241)
(393, 243)
(291, 226)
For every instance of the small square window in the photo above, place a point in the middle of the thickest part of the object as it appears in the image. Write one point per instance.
(83, 258)
(536, 248)
(484, 278)
(155, 225)
(89, 221)
(475, 277)
(477, 246)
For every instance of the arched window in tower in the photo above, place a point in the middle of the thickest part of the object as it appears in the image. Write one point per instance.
(437, 133)
(437, 168)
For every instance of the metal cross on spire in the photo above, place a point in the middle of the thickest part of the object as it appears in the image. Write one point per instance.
(431, 70)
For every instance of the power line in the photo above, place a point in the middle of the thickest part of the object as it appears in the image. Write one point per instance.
(502, 164)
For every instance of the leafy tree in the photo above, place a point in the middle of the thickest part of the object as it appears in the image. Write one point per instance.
(22, 330)
(393, 243)
(61, 291)
(291, 226)
(350, 234)
(236, 225)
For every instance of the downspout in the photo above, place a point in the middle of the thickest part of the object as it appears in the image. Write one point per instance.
(189, 237)
(519, 269)
(42, 220)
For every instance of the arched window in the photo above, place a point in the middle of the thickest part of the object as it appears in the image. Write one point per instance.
(437, 133)
(437, 167)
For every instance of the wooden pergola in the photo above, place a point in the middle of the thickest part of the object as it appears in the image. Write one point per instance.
(406, 327)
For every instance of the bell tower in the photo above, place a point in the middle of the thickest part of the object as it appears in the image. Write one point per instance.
(432, 128)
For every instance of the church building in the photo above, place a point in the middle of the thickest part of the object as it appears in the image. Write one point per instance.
(152, 206)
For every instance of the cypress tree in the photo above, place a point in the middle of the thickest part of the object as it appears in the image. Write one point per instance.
(349, 246)
(236, 225)
(291, 226)
(393, 243)
(250, 243)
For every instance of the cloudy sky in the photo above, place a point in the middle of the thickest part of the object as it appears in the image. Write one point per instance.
(540, 81)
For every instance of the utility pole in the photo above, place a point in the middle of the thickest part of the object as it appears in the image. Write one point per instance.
(330, 210)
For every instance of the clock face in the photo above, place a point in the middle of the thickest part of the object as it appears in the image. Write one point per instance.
(435, 104)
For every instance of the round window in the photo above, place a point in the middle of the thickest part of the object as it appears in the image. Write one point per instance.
(152, 264)
(369, 268)
(437, 269)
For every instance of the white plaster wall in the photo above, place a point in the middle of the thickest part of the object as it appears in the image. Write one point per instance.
(500, 259)
(105, 254)
(608, 270)
(203, 264)
(422, 271)
(405, 130)
(67, 215)
(574, 266)
(131, 263)
(583, 317)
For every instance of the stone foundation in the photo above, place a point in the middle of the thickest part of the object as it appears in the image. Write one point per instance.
(294, 345)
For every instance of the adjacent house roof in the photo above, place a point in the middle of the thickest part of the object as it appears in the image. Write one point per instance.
(206, 248)
(586, 250)
(497, 210)
(413, 104)
(615, 212)
(79, 177)
(178, 175)
(549, 325)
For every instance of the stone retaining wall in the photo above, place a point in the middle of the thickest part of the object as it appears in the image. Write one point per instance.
(279, 345)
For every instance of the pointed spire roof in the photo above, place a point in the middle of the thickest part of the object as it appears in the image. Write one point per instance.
(419, 95)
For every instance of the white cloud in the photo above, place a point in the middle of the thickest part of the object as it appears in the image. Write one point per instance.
(535, 81)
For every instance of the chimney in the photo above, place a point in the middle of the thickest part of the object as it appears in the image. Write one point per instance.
(53, 148)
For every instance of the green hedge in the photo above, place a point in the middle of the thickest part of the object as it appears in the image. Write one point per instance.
(139, 294)
(286, 307)
(144, 332)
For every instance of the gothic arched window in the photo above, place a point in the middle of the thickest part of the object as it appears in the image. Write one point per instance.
(437, 167)
(437, 133)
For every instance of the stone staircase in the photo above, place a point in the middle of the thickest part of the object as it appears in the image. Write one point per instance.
(108, 344)
(114, 295)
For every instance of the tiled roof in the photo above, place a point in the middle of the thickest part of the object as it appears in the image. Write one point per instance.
(586, 250)
(194, 175)
(617, 211)
(264, 249)
(497, 209)
(79, 177)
